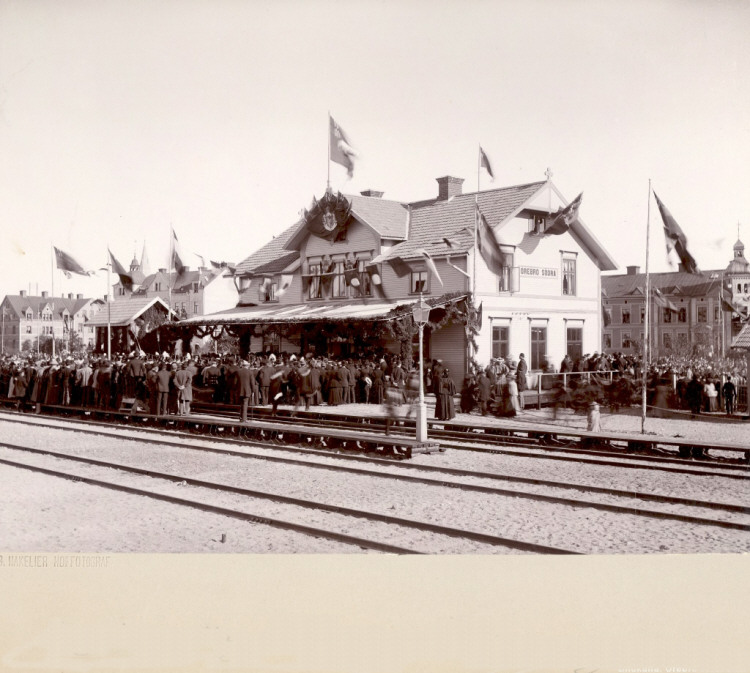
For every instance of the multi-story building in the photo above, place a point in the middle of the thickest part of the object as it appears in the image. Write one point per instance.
(329, 282)
(190, 293)
(685, 312)
(28, 320)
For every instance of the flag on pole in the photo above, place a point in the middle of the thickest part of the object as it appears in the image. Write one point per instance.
(341, 149)
(286, 281)
(68, 265)
(125, 278)
(177, 260)
(676, 239)
(489, 248)
(662, 301)
(484, 162)
(430, 264)
(562, 219)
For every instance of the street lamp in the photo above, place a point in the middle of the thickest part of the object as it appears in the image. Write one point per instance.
(421, 315)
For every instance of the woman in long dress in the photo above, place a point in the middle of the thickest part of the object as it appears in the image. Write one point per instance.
(513, 394)
(446, 404)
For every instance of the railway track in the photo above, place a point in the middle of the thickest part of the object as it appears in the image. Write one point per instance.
(735, 516)
(212, 488)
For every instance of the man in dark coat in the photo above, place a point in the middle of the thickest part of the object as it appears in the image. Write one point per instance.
(730, 392)
(521, 372)
(246, 388)
(694, 394)
(484, 390)
(163, 381)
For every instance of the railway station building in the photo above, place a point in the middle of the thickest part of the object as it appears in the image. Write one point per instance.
(343, 279)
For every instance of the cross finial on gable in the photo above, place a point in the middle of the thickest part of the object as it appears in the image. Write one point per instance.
(548, 173)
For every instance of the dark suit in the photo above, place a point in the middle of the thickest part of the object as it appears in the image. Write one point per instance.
(246, 389)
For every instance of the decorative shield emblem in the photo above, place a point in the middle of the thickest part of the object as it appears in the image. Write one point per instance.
(329, 220)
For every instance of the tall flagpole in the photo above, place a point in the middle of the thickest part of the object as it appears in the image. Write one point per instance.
(169, 268)
(476, 226)
(328, 175)
(53, 302)
(646, 330)
(109, 308)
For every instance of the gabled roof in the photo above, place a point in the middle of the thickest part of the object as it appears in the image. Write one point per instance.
(270, 254)
(123, 311)
(678, 283)
(19, 304)
(387, 218)
(453, 218)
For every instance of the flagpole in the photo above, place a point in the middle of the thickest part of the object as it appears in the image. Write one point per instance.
(109, 308)
(328, 175)
(169, 269)
(53, 302)
(646, 330)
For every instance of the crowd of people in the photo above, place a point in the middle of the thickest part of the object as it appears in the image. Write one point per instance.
(162, 384)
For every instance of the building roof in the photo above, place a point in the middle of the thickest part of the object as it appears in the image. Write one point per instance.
(388, 218)
(19, 304)
(180, 282)
(742, 340)
(675, 283)
(124, 311)
(453, 218)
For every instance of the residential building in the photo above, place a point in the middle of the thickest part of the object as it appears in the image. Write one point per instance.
(27, 320)
(685, 311)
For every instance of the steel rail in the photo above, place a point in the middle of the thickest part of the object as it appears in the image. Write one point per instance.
(308, 504)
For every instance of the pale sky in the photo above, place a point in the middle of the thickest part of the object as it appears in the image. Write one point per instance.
(121, 117)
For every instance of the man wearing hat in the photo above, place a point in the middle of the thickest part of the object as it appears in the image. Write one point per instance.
(521, 370)
(246, 385)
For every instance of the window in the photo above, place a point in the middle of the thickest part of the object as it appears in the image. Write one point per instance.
(702, 314)
(28, 329)
(625, 316)
(268, 291)
(607, 316)
(365, 284)
(538, 346)
(607, 341)
(340, 288)
(575, 342)
(682, 315)
(666, 315)
(666, 340)
(500, 344)
(157, 287)
(625, 339)
(418, 282)
(716, 313)
(643, 314)
(569, 275)
(682, 340)
(195, 307)
(315, 289)
(29, 315)
(509, 278)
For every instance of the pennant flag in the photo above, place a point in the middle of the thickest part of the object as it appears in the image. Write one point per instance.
(177, 258)
(125, 278)
(662, 301)
(341, 149)
(68, 265)
(562, 219)
(399, 266)
(489, 248)
(374, 272)
(430, 264)
(352, 277)
(286, 281)
(484, 162)
(675, 238)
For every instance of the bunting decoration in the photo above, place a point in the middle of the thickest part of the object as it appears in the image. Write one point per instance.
(430, 264)
(286, 282)
(374, 273)
(562, 219)
(399, 266)
(67, 264)
(675, 239)
(328, 217)
(341, 150)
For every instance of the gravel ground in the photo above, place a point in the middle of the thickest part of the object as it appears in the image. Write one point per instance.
(59, 526)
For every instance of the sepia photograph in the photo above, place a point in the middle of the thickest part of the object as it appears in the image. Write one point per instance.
(318, 316)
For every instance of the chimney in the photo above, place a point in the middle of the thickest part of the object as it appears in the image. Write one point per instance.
(162, 271)
(70, 295)
(371, 192)
(449, 186)
(79, 296)
(44, 294)
(633, 270)
(22, 293)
